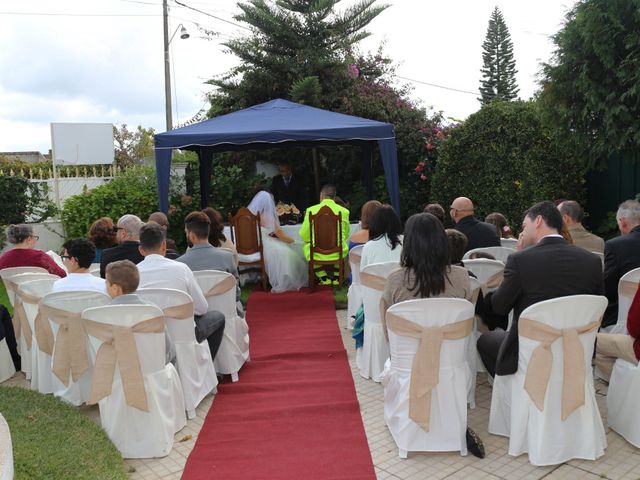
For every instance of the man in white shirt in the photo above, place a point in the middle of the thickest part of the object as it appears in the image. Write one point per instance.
(156, 271)
(77, 257)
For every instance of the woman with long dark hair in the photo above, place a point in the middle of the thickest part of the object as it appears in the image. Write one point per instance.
(217, 237)
(427, 272)
(385, 237)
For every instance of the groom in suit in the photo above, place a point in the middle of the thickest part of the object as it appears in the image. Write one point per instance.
(550, 268)
(287, 188)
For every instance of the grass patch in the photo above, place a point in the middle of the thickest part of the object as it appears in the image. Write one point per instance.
(54, 440)
(339, 295)
(4, 299)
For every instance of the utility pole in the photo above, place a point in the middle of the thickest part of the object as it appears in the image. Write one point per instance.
(167, 70)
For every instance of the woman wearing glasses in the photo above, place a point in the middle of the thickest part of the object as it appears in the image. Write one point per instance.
(24, 253)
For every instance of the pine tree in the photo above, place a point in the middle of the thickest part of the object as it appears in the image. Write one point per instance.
(499, 69)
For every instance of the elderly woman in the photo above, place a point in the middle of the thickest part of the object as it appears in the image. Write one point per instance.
(103, 235)
(24, 253)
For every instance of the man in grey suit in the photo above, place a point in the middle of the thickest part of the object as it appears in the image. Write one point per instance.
(204, 256)
(122, 279)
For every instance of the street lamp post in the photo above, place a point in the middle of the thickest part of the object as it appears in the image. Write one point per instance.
(167, 66)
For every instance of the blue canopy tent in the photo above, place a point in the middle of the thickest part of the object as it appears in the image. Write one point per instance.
(274, 124)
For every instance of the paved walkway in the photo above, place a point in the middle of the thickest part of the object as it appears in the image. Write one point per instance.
(620, 462)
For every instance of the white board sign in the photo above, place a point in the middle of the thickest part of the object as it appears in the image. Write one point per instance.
(82, 143)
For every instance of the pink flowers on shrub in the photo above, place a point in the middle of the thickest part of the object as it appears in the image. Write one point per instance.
(352, 71)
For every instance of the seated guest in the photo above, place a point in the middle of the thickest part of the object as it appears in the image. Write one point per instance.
(102, 234)
(436, 210)
(156, 271)
(327, 198)
(611, 346)
(426, 272)
(551, 268)
(500, 223)
(77, 257)
(362, 236)
(128, 239)
(485, 255)
(7, 332)
(217, 238)
(24, 253)
(478, 233)
(385, 232)
(457, 246)
(121, 283)
(572, 215)
(203, 256)
(162, 220)
(621, 255)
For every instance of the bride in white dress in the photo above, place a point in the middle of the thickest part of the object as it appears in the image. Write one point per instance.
(285, 264)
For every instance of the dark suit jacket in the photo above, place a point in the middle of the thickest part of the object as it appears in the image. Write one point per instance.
(295, 193)
(478, 233)
(621, 254)
(125, 251)
(552, 268)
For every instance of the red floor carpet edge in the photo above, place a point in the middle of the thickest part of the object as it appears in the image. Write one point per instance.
(294, 413)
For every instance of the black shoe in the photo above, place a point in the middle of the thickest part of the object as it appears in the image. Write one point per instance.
(474, 444)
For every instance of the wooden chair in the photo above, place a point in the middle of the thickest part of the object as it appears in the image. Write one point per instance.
(247, 237)
(325, 239)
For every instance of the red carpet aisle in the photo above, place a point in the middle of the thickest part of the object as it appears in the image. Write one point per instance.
(294, 413)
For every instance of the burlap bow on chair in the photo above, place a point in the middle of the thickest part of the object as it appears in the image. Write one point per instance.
(70, 344)
(492, 282)
(20, 322)
(627, 289)
(539, 369)
(425, 369)
(221, 287)
(41, 326)
(373, 281)
(355, 259)
(119, 346)
(179, 312)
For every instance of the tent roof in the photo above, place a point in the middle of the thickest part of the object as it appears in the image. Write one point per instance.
(275, 121)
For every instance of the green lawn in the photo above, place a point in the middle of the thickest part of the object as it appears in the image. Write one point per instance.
(54, 440)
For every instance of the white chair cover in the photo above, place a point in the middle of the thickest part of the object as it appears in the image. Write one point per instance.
(509, 242)
(448, 416)
(486, 271)
(31, 293)
(234, 349)
(622, 401)
(472, 351)
(13, 282)
(6, 451)
(193, 359)
(94, 269)
(137, 433)
(627, 287)
(9, 272)
(499, 253)
(375, 348)
(7, 369)
(354, 294)
(75, 392)
(547, 438)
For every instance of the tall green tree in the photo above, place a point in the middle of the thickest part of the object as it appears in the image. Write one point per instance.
(591, 87)
(131, 147)
(290, 42)
(499, 66)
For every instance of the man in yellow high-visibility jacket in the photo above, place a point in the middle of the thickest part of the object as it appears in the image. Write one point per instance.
(327, 197)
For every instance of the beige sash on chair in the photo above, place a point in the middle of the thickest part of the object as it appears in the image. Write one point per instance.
(20, 322)
(627, 289)
(493, 281)
(539, 369)
(70, 344)
(425, 370)
(42, 329)
(179, 312)
(222, 287)
(119, 346)
(355, 259)
(373, 281)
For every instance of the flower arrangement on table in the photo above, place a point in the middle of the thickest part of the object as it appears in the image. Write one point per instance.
(288, 214)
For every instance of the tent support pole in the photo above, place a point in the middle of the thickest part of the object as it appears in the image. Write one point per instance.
(316, 172)
(205, 157)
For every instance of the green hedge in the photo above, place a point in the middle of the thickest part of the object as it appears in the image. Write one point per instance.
(505, 159)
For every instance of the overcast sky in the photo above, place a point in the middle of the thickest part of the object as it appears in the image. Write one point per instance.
(89, 61)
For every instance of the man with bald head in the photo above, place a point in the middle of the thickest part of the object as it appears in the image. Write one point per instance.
(128, 238)
(478, 233)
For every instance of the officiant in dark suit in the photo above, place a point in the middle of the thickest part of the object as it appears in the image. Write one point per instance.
(288, 188)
